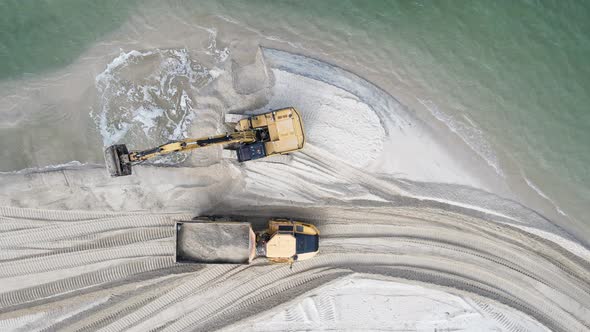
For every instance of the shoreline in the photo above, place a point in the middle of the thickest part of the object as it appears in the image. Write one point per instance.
(207, 40)
(396, 193)
(393, 116)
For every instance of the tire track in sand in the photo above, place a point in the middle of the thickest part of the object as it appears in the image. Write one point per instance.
(415, 247)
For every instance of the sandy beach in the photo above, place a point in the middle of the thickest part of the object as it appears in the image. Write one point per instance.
(417, 230)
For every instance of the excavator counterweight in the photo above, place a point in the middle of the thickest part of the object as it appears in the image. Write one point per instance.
(259, 136)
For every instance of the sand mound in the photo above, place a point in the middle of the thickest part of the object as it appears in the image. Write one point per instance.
(334, 119)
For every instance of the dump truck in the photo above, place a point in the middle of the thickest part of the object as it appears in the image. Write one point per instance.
(258, 136)
(211, 240)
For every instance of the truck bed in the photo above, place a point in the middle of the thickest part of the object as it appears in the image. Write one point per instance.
(211, 242)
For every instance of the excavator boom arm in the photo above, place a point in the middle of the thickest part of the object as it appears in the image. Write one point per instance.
(119, 160)
(193, 143)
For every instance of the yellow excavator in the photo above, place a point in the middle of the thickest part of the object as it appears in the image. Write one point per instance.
(276, 132)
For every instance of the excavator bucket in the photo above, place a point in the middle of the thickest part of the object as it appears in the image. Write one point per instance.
(117, 160)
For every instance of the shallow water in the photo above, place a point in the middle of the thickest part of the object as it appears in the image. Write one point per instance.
(510, 79)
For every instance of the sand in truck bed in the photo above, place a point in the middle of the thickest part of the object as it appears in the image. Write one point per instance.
(213, 242)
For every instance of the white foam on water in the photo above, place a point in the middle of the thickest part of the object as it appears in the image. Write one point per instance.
(228, 19)
(159, 101)
(220, 55)
(147, 117)
(470, 134)
(121, 60)
(542, 194)
(185, 104)
(215, 72)
(159, 104)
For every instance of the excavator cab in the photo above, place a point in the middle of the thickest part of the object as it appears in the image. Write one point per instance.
(259, 136)
(277, 132)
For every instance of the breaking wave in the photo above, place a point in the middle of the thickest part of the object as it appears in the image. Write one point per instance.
(147, 97)
(469, 133)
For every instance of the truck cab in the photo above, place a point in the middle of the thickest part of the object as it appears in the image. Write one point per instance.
(287, 241)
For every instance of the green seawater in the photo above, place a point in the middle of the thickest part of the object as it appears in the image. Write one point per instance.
(43, 34)
(519, 70)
